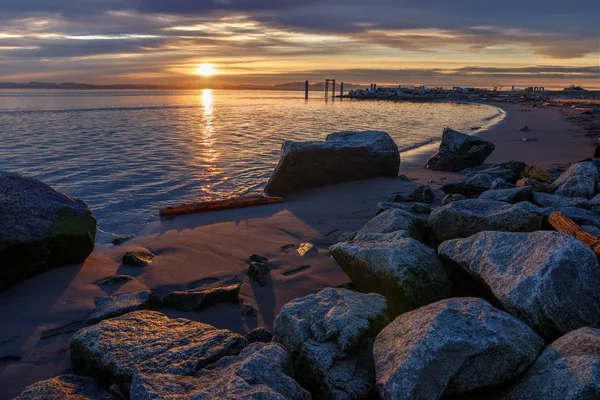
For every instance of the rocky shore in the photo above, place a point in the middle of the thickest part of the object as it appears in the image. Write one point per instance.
(447, 281)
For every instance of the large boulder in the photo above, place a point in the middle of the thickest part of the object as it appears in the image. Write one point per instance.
(65, 387)
(40, 228)
(343, 156)
(514, 195)
(568, 369)
(547, 279)
(116, 349)
(114, 306)
(408, 273)
(395, 220)
(472, 186)
(496, 171)
(453, 346)
(578, 181)
(260, 371)
(459, 151)
(329, 336)
(467, 217)
(550, 200)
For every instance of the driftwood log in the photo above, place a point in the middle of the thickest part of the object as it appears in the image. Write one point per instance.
(223, 204)
(563, 224)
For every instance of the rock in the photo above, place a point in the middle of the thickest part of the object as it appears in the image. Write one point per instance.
(258, 258)
(568, 369)
(449, 198)
(518, 166)
(595, 201)
(405, 271)
(450, 347)
(579, 215)
(467, 217)
(524, 128)
(119, 240)
(114, 306)
(147, 342)
(497, 171)
(259, 334)
(459, 151)
(347, 236)
(550, 200)
(201, 300)
(548, 280)
(329, 336)
(261, 371)
(537, 185)
(578, 181)
(65, 387)
(395, 220)
(114, 280)
(398, 198)
(470, 187)
(40, 228)
(343, 156)
(422, 194)
(418, 208)
(592, 230)
(247, 310)
(259, 272)
(515, 195)
(500, 183)
(138, 258)
(403, 177)
(379, 237)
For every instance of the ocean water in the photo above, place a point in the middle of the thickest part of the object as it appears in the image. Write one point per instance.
(128, 153)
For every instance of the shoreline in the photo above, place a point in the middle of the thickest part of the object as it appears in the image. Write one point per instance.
(209, 250)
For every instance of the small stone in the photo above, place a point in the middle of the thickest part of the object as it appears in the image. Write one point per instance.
(398, 198)
(113, 280)
(114, 306)
(138, 258)
(422, 194)
(524, 129)
(247, 310)
(403, 177)
(122, 239)
(201, 300)
(259, 334)
(258, 272)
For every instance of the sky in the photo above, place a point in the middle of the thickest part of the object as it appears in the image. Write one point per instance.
(554, 43)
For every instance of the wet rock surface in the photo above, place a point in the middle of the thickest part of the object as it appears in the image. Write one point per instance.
(459, 151)
(40, 228)
(468, 217)
(568, 369)
(260, 371)
(405, 271)
(453, 346)
(343, 156)
(114, 306)
(202, 299)
(329, 337)
(66, 387)
(116, 349)
(547, 279)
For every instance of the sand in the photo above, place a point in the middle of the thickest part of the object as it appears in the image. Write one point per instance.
(208, 250)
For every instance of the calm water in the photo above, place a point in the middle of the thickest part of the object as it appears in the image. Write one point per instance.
(128, 153)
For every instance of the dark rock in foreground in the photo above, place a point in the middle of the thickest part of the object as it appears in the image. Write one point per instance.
(473, 186)
(114, 306)
(395, 220)
(422, 194)
(259, 334)
(551, 200)
(459, 151)
(453, 346)
(548, 280)
(66, 387)
(514, 195)
(40, 228)
(578, 181)
(405, 271)
(418, 208)
(116, 349)
(467, 217)
(343, 156)
(568, 369)
(260, 371)
(201, 300)
(329, 336)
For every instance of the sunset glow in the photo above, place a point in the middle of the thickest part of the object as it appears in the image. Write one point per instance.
(206, 70)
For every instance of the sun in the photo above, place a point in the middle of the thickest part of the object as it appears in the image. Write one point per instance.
(206, 70)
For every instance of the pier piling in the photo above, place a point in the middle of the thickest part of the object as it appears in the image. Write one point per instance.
(305, 90)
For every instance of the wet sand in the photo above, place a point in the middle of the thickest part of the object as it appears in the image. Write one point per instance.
(207, 250)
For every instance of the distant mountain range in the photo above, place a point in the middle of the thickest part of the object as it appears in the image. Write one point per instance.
(320, 86)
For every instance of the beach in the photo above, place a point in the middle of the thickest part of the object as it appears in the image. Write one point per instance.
(212, 249)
